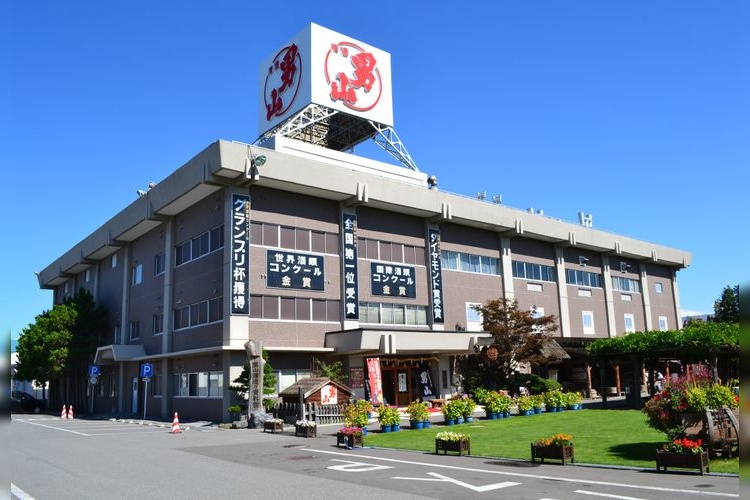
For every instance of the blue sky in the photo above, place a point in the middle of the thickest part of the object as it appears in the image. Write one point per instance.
(634, 111)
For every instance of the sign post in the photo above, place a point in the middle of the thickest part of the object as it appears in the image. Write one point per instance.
(94, 372)
(147, 371)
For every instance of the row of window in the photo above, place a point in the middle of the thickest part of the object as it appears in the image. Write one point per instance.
(294, 308)
(197, 247)
(293, 238)
(200, 313)
(392, 314)
(388, 251)
(198, 385)
(470, 263)
(530, 271)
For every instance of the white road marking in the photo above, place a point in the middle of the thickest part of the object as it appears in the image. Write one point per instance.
(350, 466)
(52, 427)
(479, 489)
(18, 492)
(533, 476)
(593, 493)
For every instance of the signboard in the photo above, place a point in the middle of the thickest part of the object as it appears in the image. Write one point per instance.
(320, 66)
(294, 270)
(375, 381)
(240, 238)
(329, 395)
(94, 371)
(425, 381)
(147, 370)
(356, 378)
(392, 280)
(436, 277)
(350, 281)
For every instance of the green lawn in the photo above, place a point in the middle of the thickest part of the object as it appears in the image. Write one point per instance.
(609, 437)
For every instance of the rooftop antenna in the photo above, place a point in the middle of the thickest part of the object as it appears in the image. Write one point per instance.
(481, 195)
(497, 199)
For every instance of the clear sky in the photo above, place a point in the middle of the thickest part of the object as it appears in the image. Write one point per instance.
(634, 110)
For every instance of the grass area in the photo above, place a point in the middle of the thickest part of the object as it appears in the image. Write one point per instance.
(610, 437)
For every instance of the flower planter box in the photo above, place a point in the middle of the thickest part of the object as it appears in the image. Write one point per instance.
(666, 459)
(558, 452)
(274, 427)
(305, 431)
(348, 440)
(462, 446)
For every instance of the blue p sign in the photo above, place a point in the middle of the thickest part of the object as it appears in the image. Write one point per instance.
(94, 371)
(147, 370)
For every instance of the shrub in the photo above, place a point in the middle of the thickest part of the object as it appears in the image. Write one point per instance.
(497, 402)
(525, 403)
(572, 398)
(357, 414)
(417, 411)
(453, 409)
(388, 415)
(534, 383)
(553, 398)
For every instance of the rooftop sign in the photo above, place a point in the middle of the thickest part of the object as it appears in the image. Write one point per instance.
(320, 66)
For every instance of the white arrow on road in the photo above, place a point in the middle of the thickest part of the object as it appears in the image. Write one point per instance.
(479, 489)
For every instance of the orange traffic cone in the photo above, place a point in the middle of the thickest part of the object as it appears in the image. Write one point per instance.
(64, 413)
(176, 424)
(70, 412)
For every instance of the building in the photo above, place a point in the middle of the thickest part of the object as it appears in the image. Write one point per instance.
(322, 254)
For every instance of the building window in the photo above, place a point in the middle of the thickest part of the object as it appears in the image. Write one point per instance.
(197, 247)
(158, 324)
(159, 263)
(392, 314)
(469, 263)
(663, 325)
(66, 288)
(530, 271)
(625, 284)
(117, 334)
(87, 275)
(137, 274)
(629, 323)
(583, 278)
(135, 330)
(285, 378)
(474, 318)
(156, 386)
(198, 385)
(200, 313)
(658, 287)
(113, 261)
(587, 318)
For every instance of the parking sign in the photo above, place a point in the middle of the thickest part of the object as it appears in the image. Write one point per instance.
(147, 370)
(94, 371)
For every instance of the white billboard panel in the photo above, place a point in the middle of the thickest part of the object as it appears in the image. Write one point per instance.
(320, 66)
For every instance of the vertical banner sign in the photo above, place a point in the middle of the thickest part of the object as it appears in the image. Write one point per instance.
(240, 253)
(436, 277)
(351, 288)
(425, 381)
(376, 382)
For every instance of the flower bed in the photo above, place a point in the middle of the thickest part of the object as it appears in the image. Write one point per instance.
(305, 428)
(685, 460)
(452, 441)
(559, 447)
(274, 425)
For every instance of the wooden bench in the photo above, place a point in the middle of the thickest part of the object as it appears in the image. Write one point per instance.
(438, 403)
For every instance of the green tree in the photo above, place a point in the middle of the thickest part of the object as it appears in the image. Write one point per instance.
(241, 385)
(59, 345)
(727, 307)
(334, 370)
(518, 336)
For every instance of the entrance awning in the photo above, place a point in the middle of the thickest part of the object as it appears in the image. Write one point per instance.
(110, 354)
(361, 341)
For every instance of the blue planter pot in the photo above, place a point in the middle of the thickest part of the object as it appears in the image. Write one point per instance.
(468, 419)
(450, 421)
(552, 409)
(396, 427)
(460, 420)
(505, 414)
(537, 411)
(386, 428)
(560, 408)
(426, 424)
(364, 431)
(414, 424)
(527, 412)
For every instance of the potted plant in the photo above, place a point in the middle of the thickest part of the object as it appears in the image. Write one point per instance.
(451, 411)
(389, 418)
(357, 414)
(418, 414)
(446, 441)
(573, 400)
(553, 400)
(274, 425)
(558, 446)
(537, 401)
(350, 436)
(305, 428)
(525, 405)
(468, 407)
(684, 453)
(234, 412)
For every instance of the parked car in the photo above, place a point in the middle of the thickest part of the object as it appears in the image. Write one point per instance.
(24, 402)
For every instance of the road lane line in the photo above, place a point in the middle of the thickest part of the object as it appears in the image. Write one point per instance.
(596, 494)
(533, 476)
(18, 492)
(52, 427)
